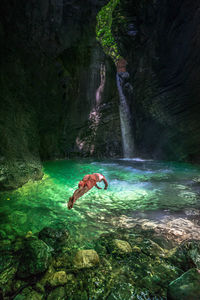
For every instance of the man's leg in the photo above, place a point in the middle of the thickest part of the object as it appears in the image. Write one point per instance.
(77, 194)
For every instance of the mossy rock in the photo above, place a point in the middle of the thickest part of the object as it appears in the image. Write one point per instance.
(61, 261)
(18, 218)
(152, 249)
(7, 274)
(47, 275)
(28, 293)
(3, 234)
(120, 247)
(55, 238)
(35, 258)
(186, 287)
(121, 291)
(58, 278)
(5, 246)
(57, 294)
(80, 295)
(86, 259)
(187, 255)
(6, 261)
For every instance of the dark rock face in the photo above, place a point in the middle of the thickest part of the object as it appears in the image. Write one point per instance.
(58, 91)
(51, 68)
(164, 65)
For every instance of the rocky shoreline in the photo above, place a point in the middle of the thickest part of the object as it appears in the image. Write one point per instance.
(127, 264)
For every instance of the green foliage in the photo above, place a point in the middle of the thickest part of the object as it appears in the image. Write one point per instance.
(104, 31)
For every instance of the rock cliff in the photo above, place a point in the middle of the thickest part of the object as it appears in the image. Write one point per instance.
(58, 89)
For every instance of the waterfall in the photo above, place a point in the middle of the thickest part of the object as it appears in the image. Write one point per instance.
(125, 117)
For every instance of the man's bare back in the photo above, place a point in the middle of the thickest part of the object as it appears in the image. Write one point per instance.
(86, 184)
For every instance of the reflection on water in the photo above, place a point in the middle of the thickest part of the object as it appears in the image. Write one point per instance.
(139, 191)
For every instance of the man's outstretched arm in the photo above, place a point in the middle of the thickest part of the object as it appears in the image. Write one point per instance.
(98, 187)
(105, 182)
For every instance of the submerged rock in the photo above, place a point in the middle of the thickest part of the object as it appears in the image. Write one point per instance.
(18, 285)
(5, 245)
(18, 217)
(58, 278)
(56, 238)
(3, 234)
(27, 294)
(187, 255)
(152, 249)
(47, 275)
(86, 259)
(35, 258)
(57, 294)
(185, 287)
(7, 275)
(121, 247)
(61, 261)
(8, 268)
(121, 291)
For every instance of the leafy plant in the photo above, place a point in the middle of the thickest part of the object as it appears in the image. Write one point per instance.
(104, 30)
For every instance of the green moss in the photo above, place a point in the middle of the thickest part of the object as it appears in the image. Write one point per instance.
(104, 30)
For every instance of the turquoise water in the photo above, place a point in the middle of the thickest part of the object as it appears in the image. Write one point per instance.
(135, 186)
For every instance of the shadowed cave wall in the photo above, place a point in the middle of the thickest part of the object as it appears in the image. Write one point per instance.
(50, 73)
(162, 46)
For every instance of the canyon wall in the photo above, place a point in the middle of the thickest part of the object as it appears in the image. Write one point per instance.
(58, 89)
(50, 75)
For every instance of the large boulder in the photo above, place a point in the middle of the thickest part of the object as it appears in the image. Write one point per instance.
(186, 287)
(35, 258)
(86, 259)
(56, 238)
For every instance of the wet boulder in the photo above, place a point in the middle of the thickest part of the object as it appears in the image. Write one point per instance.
(18, 217)
(121, 290)
(187, 255)
(57, 294)
(120, 247)
(185, 287)
(35, 258)
(62, 261)
(152, 249)
(44, 280)
(8, 268)
(86, 259)
(28, 293)
(58, 278)
(55, 238)
(3, 234)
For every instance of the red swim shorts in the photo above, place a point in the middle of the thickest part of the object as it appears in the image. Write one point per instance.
(89, 183)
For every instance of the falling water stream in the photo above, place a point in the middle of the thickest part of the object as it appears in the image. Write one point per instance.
(125, 118)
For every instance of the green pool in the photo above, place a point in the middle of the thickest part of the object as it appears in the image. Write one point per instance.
(135, 186)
